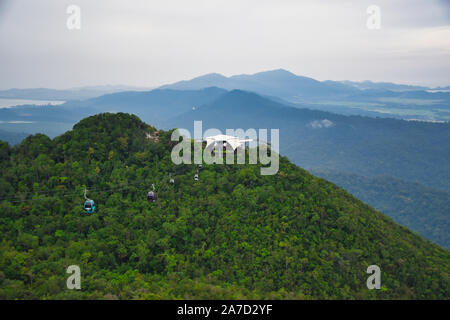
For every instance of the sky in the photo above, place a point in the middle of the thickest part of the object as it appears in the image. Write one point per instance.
(148, 43)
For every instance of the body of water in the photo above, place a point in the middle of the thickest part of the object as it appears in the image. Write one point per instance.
(8, 103)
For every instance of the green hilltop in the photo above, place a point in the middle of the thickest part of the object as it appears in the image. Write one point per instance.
(234, 234)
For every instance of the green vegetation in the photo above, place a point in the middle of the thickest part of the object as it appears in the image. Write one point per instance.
(232, 234)
(415, 206)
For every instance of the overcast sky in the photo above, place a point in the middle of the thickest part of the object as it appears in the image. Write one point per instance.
(152, 42)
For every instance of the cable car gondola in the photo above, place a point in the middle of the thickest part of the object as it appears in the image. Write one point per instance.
(89, 205)
(151, 197)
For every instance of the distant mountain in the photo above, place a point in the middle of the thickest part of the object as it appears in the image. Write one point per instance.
(155, 105)
(232, 234)
(417, 207)
(80, 93)
(205, 81)
(279, 83)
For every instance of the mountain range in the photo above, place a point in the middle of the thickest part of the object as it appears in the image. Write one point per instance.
(381, 99)
(409, 158)
(277, 83)
(345, 97)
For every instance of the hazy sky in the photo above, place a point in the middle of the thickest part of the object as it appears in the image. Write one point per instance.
(152, 42)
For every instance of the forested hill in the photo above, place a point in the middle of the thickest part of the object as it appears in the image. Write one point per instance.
(413, 205)
(232, 234)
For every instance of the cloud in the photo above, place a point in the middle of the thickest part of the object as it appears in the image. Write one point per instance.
(149, 43)
(318, 124)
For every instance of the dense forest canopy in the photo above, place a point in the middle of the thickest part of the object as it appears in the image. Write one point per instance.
(232, 234)
(415, 206)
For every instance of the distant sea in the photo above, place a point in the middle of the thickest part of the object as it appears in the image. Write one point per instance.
(438, 90)
(8, 103)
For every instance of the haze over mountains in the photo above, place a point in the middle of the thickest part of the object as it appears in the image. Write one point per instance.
(345, 97)
(382, 99)
(80, 93)
(413, 153)
(282, 83)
